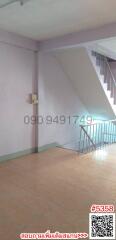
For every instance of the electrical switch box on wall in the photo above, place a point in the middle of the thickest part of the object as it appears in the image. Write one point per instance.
(34, 99)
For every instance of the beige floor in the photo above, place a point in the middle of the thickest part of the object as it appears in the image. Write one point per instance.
(54, 190)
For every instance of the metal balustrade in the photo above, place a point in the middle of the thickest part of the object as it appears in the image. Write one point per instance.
(105, 70)
(97, 135)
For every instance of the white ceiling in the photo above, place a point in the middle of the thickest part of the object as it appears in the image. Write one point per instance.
(43, 19)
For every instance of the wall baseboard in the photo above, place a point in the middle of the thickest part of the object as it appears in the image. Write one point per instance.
(27, 152)
(18, 154)
(47, 146)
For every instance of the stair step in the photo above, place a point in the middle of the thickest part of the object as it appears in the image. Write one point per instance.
(106, 76)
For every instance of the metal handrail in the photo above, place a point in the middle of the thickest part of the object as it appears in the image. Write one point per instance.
(88, 137)
(110, 71)
(109, 78)
(97, 134)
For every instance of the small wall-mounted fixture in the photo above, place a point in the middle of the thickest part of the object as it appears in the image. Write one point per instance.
(34, 99)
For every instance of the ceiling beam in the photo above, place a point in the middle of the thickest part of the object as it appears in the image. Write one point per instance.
(79, 38)
(17, 40)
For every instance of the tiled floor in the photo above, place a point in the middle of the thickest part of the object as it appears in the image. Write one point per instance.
(54, 190)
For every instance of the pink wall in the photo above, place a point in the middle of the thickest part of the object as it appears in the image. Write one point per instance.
(17, 70)
(57, 97)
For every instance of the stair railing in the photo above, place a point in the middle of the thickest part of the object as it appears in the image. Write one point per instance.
(105, 69)
(97, 135)
(111, 82)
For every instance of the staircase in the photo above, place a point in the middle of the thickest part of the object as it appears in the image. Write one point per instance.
(97, 135)
(108, 82)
